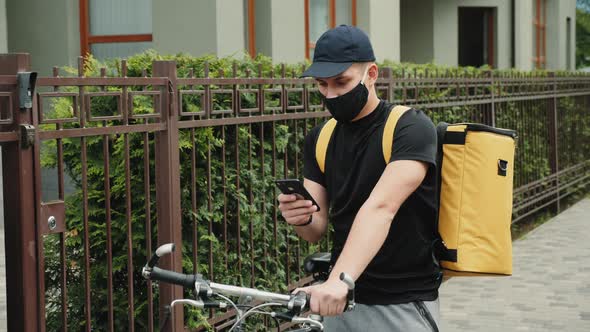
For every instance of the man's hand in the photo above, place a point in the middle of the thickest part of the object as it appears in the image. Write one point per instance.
(327, 299)
(295, 211)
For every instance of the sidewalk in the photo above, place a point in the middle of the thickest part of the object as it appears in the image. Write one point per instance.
(549, 289)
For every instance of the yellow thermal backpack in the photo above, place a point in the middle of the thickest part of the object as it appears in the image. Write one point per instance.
(476, 168)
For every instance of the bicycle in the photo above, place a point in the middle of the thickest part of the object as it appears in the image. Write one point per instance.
(206, 292)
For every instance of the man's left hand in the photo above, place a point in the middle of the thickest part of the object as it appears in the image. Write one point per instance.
(327, 299)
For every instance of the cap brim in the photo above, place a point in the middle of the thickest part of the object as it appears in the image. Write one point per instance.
(326, 69)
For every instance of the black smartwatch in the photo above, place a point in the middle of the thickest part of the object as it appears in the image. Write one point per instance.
(307, 223)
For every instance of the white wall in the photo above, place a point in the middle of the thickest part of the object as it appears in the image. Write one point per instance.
(280, 30)
(380, 19)
(198, 27)
(416, 31)
(230, 27)
(287, 30)
(3, 32)
(557, 13)
(48, 30)
(446, 30)
(523, 34)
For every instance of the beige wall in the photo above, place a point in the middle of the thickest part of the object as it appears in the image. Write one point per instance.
(416, 31)
(556, 51)
(523, 34)
(380, 19)
(3, 32)
(280, 30)
(198, 27)
(191, 21)
(230, 27)
(48, 30)
(446, 27)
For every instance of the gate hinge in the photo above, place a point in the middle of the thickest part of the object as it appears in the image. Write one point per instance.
(27, 136)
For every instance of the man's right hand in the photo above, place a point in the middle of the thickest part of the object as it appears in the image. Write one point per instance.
(295, 211)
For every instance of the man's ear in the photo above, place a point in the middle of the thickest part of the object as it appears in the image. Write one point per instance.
(373, 73)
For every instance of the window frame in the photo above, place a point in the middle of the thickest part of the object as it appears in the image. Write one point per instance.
(86, 39)
(540, 24)
(309, 45)
(251, 12)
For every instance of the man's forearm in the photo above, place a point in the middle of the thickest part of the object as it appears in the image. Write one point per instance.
(372, 222)
(314, 231)
(364, 241)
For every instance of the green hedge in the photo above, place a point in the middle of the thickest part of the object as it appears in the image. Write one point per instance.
(270, 262)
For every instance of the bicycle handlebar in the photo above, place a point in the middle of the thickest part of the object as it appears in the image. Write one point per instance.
(181, 279)
(296, 303)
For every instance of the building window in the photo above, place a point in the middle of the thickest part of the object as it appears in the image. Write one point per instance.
(113, 28)
(321, 15)
(539, 23)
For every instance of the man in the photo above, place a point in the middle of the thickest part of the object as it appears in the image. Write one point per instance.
(383, 215)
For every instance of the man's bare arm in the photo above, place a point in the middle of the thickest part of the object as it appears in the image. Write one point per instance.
(371, 224)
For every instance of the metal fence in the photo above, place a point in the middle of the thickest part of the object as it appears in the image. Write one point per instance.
(140, 161)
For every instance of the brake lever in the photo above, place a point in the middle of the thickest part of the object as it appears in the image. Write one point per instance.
(161, 251)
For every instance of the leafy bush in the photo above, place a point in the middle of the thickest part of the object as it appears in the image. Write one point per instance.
(214, 194)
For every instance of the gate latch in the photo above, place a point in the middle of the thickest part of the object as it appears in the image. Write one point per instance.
(26, 88)
(27, 136)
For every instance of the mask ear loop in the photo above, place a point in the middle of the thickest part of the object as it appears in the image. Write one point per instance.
(364, 76)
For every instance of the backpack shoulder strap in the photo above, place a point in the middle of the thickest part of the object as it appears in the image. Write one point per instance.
(321, 146)
(389, 129)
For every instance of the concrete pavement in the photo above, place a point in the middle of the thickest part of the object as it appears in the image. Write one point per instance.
(548, 291)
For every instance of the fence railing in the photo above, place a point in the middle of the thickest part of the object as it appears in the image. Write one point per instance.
(139, 160)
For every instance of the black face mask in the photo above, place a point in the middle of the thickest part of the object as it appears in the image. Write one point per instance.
(346, 107)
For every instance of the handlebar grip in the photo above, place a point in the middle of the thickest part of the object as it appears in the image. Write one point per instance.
(350, 296)
(181, 279)
(299, 301)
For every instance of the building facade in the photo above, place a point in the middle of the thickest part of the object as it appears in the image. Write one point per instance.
(523, 34)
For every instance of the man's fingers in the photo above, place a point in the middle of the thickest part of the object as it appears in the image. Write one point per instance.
(300, 212)
(314, 305)
(286, 198)
(295, 204)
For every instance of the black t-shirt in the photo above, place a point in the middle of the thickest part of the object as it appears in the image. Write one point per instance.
(404, 269)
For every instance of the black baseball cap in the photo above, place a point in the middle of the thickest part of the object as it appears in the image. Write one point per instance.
(337, 49)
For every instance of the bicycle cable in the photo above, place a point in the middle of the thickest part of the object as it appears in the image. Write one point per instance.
(252, 311)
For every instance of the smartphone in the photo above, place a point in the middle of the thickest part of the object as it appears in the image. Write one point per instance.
(295, 186)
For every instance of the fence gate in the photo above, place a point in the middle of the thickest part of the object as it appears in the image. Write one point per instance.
(30, 219)
(20, 203)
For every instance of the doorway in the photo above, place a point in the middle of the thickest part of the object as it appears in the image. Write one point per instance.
(477, 34)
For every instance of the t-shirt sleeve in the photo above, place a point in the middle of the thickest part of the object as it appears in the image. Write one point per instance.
(415, 138)
(311, 169)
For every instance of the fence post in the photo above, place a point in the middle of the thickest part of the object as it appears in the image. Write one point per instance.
(492, 115)
(489, 114)
(553, 141)
(22, 268)
(387, 73)
(168, 190)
